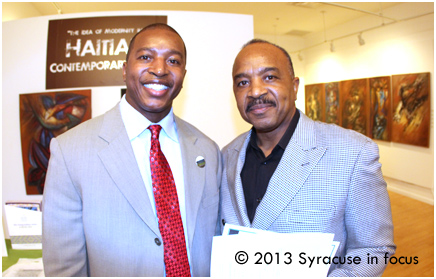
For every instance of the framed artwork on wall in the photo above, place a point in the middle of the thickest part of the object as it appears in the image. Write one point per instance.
(332, 108)
(42, 117)
(411, 109)
(355, 102)
(315, 101)
(381, 116)
(389, 108)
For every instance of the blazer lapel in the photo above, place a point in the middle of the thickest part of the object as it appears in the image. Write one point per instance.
(234, 164)
(119, 160)
(194, 176)
(300, 157)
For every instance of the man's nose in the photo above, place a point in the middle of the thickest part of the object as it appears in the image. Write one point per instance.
(158, 67)
(257, 88)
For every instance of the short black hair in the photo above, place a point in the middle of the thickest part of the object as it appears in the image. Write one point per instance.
(256, 41)
(154, 26)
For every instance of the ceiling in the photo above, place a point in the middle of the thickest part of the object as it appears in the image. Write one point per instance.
(276, 18)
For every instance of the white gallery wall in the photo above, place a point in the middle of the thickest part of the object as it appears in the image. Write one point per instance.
(212, 41)
(399, 48)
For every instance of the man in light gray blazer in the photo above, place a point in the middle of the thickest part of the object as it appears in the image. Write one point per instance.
(291, 174)
(99, 216)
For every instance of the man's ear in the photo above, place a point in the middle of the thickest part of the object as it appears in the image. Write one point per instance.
(124, 71)
(184, 75)
(296, 84)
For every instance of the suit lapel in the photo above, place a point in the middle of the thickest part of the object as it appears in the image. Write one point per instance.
(119, 160)
(234, 164)
(194, 176)
(300, 157)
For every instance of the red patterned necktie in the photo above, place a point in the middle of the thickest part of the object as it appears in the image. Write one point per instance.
(168, 212)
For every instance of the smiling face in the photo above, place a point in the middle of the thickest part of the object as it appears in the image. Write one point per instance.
(264, 87)
(154, 72)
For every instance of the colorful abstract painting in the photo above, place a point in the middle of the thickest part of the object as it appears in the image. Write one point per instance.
(42, 117)
(332, 114)
(411, 109)
(355, 103)
(381, 117)
(315, 101)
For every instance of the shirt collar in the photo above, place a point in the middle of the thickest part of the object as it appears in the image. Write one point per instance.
(283, 143)
(136, 123)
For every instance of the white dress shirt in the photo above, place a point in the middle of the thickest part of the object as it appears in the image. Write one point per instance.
(140, 138)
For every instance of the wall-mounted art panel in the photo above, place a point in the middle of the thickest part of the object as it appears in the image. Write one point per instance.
(332, 103)
(42, 117)
(411, 109)
(355, 103)
(381, 117)
(315, 101)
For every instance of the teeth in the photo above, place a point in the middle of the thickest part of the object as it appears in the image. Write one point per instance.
(155, 86)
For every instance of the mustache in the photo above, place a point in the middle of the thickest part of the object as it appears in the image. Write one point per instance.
(259, 101)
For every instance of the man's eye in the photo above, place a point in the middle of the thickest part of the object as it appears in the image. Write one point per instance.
(174, 61)
(270, 77)
(144, 57)
(242, 83)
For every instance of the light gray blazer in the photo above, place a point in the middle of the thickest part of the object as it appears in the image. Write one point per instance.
(328, 180)
(97, 216)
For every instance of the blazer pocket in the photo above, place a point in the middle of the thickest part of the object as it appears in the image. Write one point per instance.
(211, 200)
(311, 216)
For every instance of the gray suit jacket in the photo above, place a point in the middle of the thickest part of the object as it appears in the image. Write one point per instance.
(97, 216)
(328, 180)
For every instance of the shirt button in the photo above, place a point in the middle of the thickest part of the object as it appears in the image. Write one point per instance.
(264, 163)
(259, 199)
(157, 241)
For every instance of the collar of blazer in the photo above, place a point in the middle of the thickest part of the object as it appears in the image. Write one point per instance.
(300, 157)
(120, 162)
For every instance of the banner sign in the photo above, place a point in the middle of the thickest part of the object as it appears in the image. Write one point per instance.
(87, 52)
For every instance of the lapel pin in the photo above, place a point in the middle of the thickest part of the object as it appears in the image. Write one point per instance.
(200, 162)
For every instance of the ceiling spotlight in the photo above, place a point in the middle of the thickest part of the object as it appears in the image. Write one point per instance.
(332, 47)
(361, 40)
(300, 57)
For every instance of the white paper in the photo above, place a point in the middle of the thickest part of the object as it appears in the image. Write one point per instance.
(230, 229)
(248, 252)
(25, 268)
(25, 224)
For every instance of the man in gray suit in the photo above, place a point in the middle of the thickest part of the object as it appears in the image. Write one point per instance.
(291, 174)
(100, 215)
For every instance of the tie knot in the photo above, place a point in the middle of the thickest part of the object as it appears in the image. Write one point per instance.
(155, 130)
